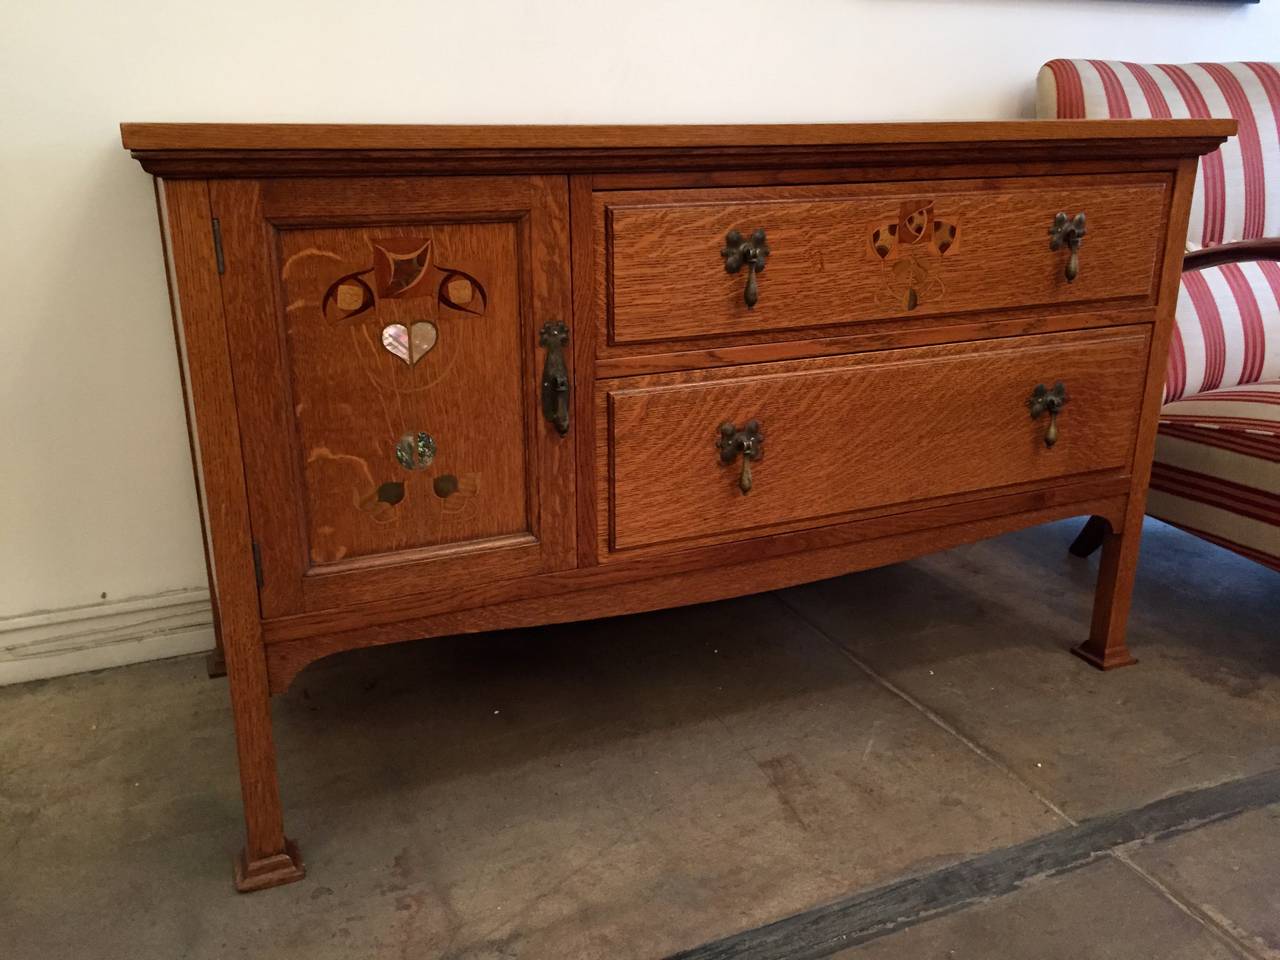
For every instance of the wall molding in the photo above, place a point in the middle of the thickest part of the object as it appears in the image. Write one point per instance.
(54, 643)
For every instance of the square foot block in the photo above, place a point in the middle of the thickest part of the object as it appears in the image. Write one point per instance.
(1121, 658)
(273, 871)
(215, 664)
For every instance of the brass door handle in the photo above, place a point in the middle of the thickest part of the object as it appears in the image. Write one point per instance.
(1051, 401)
(555, 376)
(747, 442)
(1068, 232)
(752, 254)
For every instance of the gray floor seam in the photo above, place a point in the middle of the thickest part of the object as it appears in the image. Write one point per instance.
(871, 914)
(930, 714)
(1189, 907)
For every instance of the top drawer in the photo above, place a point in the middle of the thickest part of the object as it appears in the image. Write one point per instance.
(860, 252)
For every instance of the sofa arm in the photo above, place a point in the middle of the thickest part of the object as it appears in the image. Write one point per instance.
(1268, 248)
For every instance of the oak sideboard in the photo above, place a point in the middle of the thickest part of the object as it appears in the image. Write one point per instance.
(446, 379)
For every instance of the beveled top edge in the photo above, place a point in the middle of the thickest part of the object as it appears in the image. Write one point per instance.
(143, 137)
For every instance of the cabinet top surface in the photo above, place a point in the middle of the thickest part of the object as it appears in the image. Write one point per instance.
(146, 137)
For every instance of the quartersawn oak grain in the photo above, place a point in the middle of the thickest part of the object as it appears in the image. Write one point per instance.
(273, 382)
(666, 279)
(269, 858)
(329, 401)
(768, 564)
(859, 432)
(1105, 647)
(341, 136)
(241, 150)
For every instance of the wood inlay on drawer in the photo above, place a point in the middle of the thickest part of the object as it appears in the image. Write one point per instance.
(860, 252)
(863, 431)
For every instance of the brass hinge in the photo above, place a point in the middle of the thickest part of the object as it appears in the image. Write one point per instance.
(257, 563)
(217, 246)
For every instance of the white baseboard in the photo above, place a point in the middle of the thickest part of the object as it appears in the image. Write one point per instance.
(109, 634)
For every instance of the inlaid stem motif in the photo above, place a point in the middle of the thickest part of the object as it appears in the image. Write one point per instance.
(909, 250)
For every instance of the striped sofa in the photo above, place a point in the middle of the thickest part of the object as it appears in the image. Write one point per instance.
(1217, 461)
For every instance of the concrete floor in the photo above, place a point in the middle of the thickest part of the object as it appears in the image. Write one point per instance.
(646, 785)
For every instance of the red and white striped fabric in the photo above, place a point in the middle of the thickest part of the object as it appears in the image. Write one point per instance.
(1228, 329)
(1252, 408)
(1238, 186)
(1217, 463)
(1217, 468)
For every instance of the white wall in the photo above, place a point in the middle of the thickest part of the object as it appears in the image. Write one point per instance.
(95, 490)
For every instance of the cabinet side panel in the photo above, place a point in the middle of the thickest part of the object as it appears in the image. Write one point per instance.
(202, 343)
(217, 663)
(210, 397)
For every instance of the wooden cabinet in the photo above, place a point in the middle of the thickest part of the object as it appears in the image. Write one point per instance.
(451, 379)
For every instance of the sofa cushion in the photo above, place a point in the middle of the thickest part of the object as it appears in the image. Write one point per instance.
(1227, 330)
(1217, 469)
(1237, 193)
(1250, 408)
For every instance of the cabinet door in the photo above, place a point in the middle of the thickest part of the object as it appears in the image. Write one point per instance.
(387, 359)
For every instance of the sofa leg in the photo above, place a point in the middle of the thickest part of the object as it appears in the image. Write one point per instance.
(1090, 537)
(215, 664)
(1106, 648)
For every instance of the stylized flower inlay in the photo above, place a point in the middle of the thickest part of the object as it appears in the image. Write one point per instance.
(401, 267)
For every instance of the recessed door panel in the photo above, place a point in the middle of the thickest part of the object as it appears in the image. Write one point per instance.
(385, 341)
(404, 352)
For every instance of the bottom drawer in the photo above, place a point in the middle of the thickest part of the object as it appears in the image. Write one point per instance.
(857, 432)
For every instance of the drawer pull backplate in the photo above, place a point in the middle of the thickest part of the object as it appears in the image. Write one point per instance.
(749, 442)
(750, 253)
(1068, 233)
(1051, 401)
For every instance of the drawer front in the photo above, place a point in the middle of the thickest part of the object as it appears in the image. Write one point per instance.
(860, 432)
(863, 252)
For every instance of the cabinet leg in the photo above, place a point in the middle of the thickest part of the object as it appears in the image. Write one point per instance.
(269, 858)
(1105, 648)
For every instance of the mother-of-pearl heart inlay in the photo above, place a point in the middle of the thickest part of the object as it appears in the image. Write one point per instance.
(412, 343)
(401, 269)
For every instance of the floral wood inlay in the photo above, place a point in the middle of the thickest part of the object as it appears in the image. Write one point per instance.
(348, 297)
(909, 249)
(400, 266)
(458, 494)
(391, 492)
(403, 270)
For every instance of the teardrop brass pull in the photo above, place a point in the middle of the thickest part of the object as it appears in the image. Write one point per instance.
(749, 442)
(1051, 401)
(752, 254)
(1068, 233)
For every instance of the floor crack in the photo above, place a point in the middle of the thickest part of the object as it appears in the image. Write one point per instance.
(927, 712)
(1222, 933)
